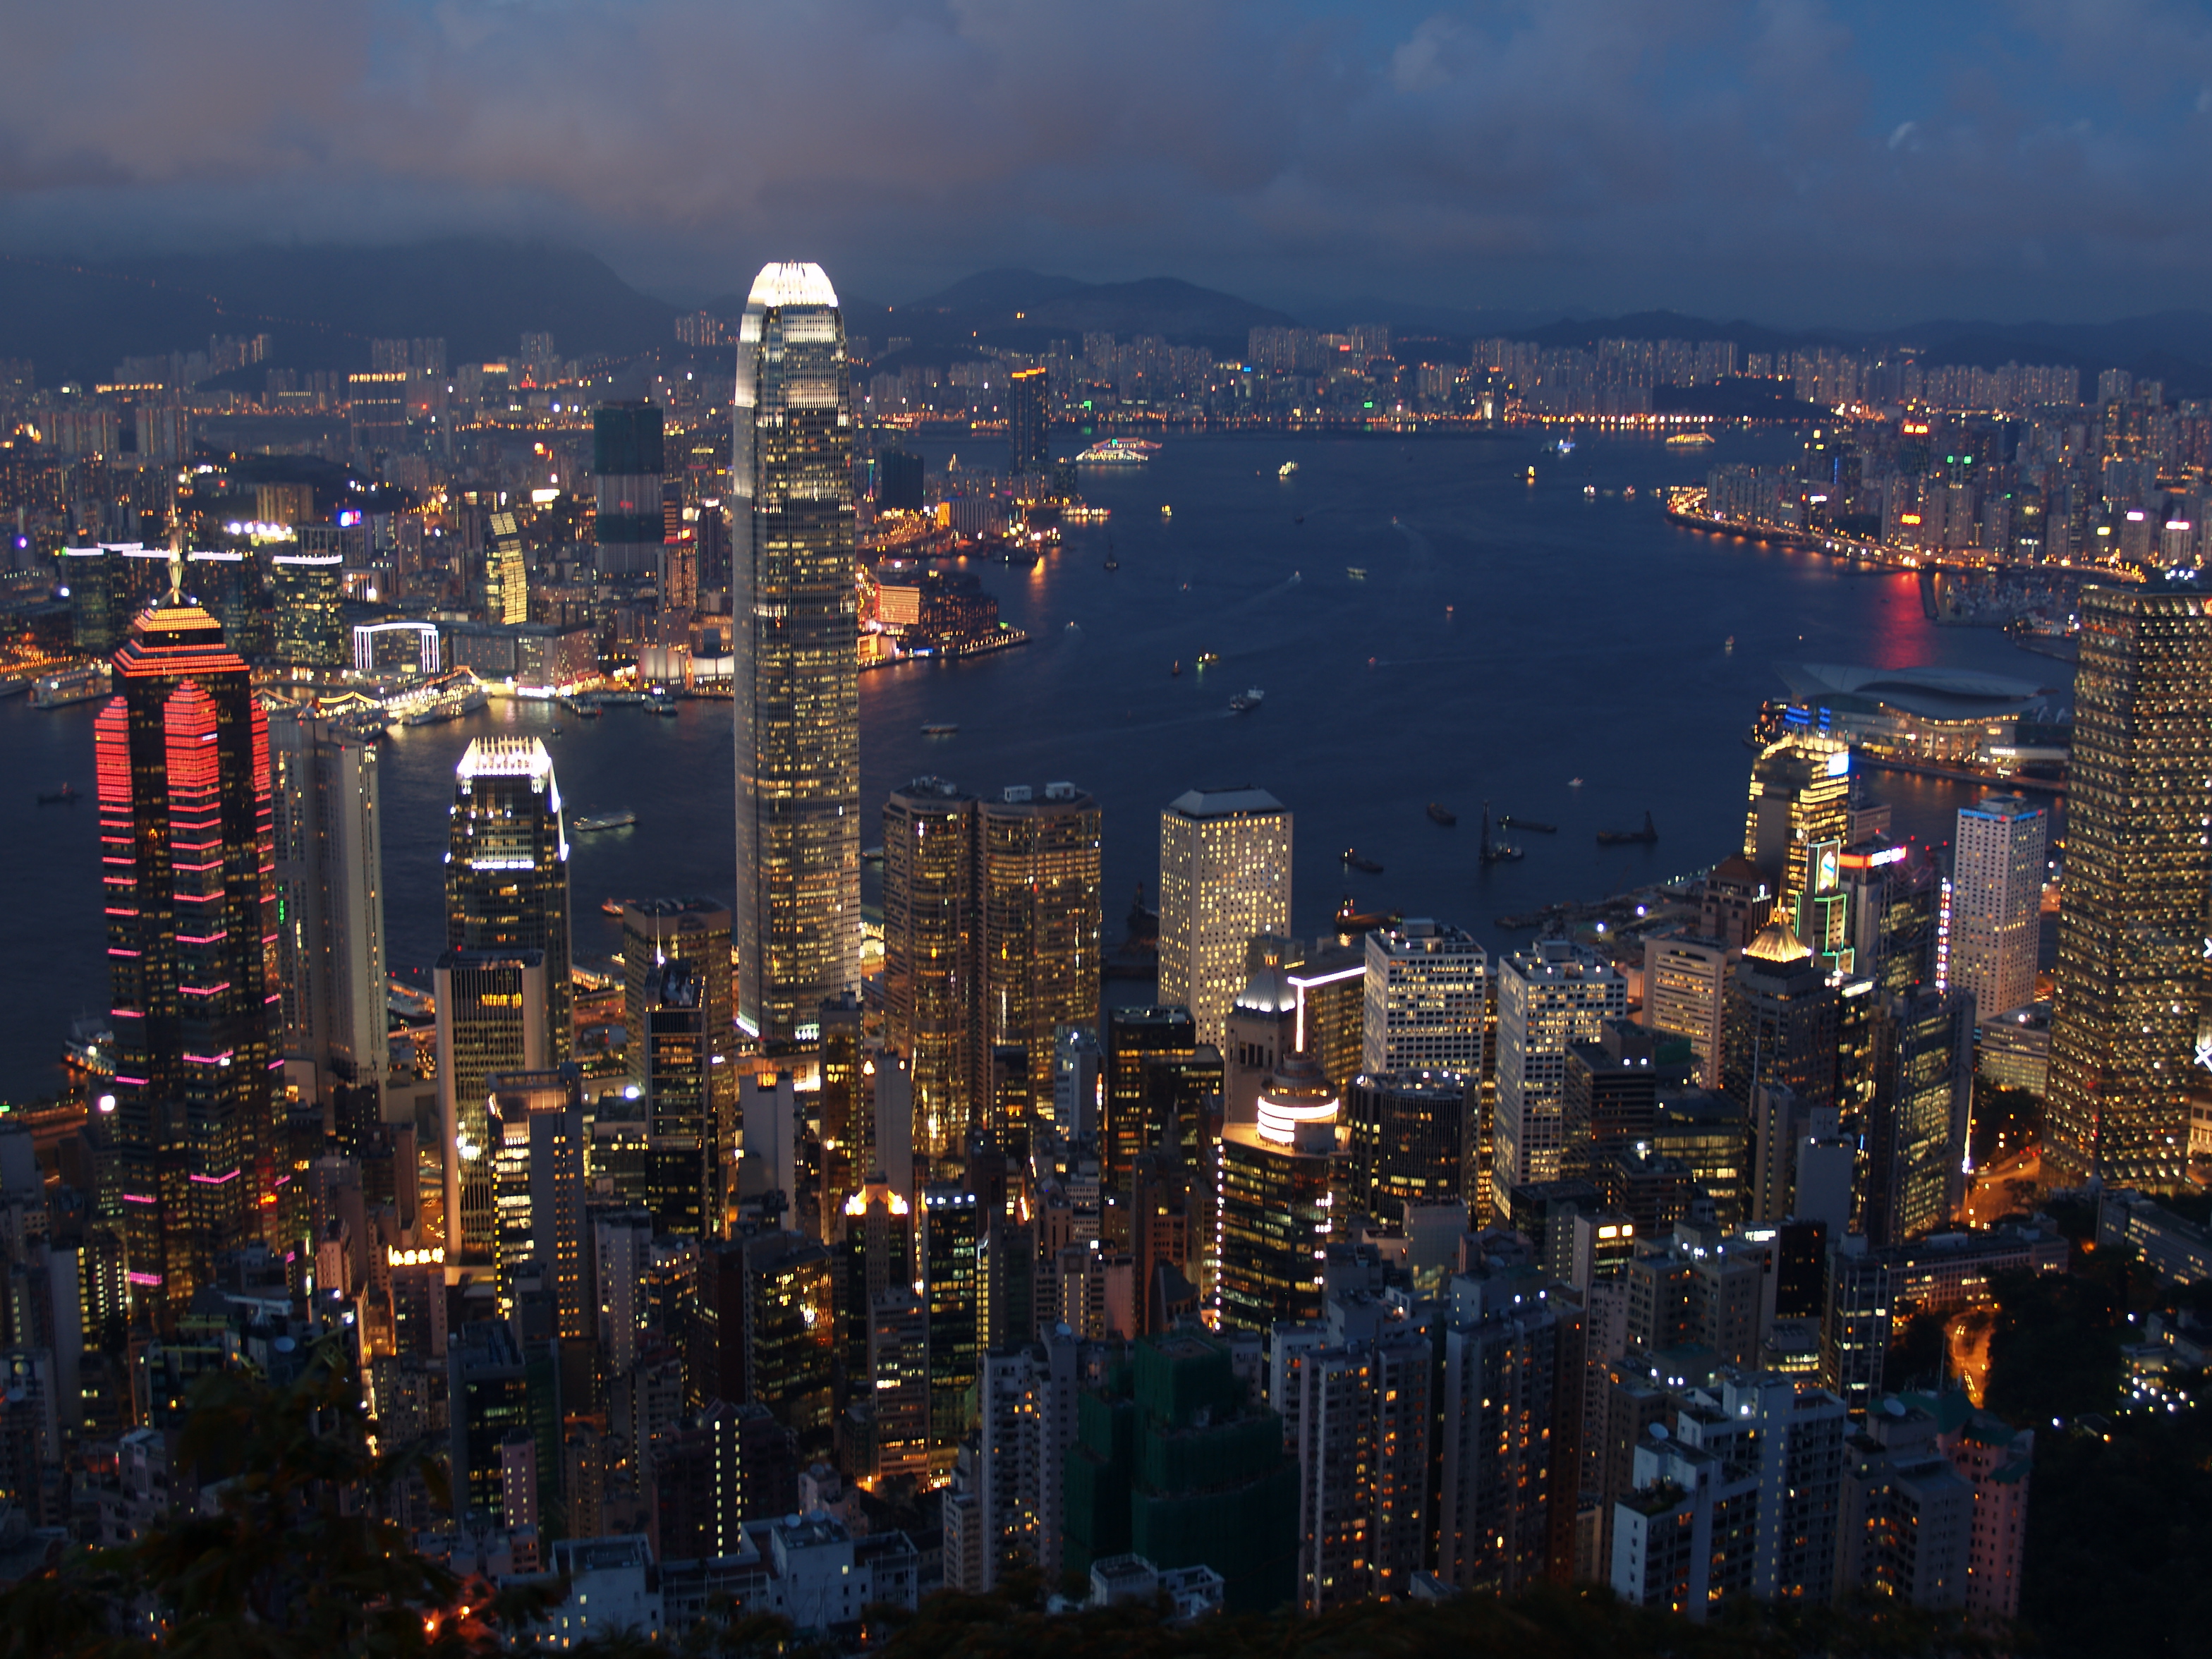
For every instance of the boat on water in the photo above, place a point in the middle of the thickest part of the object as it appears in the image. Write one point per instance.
(664, 707)
(1566, 446)
(871, 854)
(1443, 815)
(1728, 645)
(940, 728)
(1166, 512)
(1350, 919)
(449, 702)
(1246, 701)
(613, 907)
(1112, 563)
(1496, 852)
(1643, 838)
(1574, 783)
(1355, 573)
(64, 796)
(1174, 668)
(1690, 440)
(1354, 860)
(1507, 821)
(71, 685)
(1208, 659)
(1117, 451)
(1589, 489)
(1297, 518)
(1288, 469)
(622, 820)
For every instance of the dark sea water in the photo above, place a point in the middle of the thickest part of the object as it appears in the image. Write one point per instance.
(1507, 637)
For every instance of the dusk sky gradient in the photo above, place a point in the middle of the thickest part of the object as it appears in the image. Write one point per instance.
(1788, 160)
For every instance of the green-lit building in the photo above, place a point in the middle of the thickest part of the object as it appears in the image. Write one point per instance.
(1171, 1462)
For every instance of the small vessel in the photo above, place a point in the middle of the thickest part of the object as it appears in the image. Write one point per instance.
(663, 707)
(1356, 573)
(79, 684)
(1589, 489)
(1506, 820)
(1247, 701)
(1352, 919)
(871, 854)
(1728, 644)
(1353, 860)
(1297, 518)
(1288, 469)
(1574, 783)
(1566, 445)
(1112, 563)
(613, 907)
(1629, 494)
(1174, 668)
(64, 796)
(1643, 838)
(621, 820)
(1208, 659)
(1495, 852)
(1166, 512)
(1443, 815)
(940, 728)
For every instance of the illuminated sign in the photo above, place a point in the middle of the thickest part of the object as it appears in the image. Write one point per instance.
(1827, 867)
(1840, 765)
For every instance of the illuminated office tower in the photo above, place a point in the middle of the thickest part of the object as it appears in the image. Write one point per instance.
(1135, 1037)
(676, 1055)
(797, 651)
(1408, 1140)
(628, 445)
(1273, 1223)
(1685, 978)
(950, 1254)
(506, 868)
(877, 1239)
(848, 1140)
(1794, 830)
(1997, 904)
(1224, 880)
(1029, 421)
(505, 589)
(309, 594)
(1036, 890)
(1914, 1136)
(491, 1019)
(1549, 998)
(929, 954)
(187, 850)
(537, 1129)
(1425, 1000)
(696, 932)
(2127, 1037)
(330, 889)
(89, 577)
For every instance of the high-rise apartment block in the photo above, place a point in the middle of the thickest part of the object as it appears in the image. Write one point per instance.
(1427, 997)
(2128, 1039)
(1997, 904)
(1549, 998)
(329, 881)
(187, 850)
(1224, 880)
(797, 668)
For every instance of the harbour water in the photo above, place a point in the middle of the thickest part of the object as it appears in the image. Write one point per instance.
(1506, 637)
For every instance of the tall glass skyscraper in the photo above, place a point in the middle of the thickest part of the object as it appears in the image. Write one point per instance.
(2129, 1043)
(187, 847)
(797, 668)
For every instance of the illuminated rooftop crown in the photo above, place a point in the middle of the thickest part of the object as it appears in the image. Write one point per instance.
(505, 758)
(1777, 942)
(792, 285)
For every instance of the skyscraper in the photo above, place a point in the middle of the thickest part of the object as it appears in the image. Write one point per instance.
(2127, 1037)
(627, 446)
(680, 1161)
(1276, 1212)
(491, 1019)
(187, 847)
(1794, 830)
(929, 967)
(506, 866)
(1426, 1001)
(1029, 406)
(1549, 998)
(1996, 894)
(310, 630)
(1038, 895)
(796, 673)
(1915, 1133)
(696, 932)
(1224, 880)
(330, 886)
(537, 1151)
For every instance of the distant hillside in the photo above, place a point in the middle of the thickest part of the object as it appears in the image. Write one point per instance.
(76, 319)
(1021, 310)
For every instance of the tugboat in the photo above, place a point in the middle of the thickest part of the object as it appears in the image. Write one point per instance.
(1644, 837)
(64, 796)
(1247, 701)
(1507, 821)
(1496, 852)
(1443, 815)
(1354, 861)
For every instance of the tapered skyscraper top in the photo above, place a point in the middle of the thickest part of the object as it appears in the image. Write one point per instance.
(796, 675)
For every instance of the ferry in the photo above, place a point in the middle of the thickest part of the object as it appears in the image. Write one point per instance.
(449, 701)
(1249, 700)
(1288, 469)
(1690, 440)
(622, 820)
(80, 684)
(1117, 451)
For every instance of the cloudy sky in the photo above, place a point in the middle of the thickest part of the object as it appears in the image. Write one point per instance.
(1790, 161)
